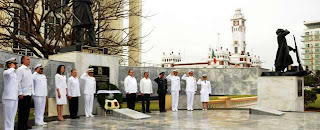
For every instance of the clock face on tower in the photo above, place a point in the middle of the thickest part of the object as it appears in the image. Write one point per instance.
(235, 23)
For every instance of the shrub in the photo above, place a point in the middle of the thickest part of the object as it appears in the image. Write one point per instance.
(309, 97)
(317, 90)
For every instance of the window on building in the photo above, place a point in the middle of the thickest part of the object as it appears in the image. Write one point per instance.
(306, 38)
(316, 44)
(317, 67)
(236, 50)
(307, 33)
(317, 56)
(316, 37)
(307, 62)
(221, 63)
(241, 59)
(317, 61)
(317, 50)
(306, 45)
(316, 32)
(307, 57)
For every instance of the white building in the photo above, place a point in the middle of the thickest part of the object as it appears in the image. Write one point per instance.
(311, 45)
(220, 58)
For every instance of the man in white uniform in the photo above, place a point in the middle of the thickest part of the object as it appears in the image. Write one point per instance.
(130, 87)
(175, 89)
(74, 94)
(146, 91)
(89, 91)
(26, 90)
(10, 94)
(40, 94)
(191, 88)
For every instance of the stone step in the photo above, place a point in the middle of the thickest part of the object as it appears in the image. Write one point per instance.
(129, 114)
(265, 111)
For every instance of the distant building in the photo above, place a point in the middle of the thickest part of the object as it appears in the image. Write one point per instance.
(311, 45)
(219, 58)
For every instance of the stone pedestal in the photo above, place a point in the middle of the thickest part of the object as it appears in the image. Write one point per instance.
(283, 93)
(82, 61)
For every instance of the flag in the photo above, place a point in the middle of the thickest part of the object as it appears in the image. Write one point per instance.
(213, 53)
(214, 57)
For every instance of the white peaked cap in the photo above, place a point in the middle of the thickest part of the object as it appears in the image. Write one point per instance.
(38, 65)
(13, 59)
(90, 70)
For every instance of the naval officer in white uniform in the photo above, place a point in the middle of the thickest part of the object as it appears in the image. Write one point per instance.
(40, 94)
(89, 91)
(191, 88)
(205, 91)
(175, 89)
(10, 94)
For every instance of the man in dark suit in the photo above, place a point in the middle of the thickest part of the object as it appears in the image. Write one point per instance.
(162, 91)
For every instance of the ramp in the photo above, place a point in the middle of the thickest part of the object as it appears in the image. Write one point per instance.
(265, 111)
(127, 113)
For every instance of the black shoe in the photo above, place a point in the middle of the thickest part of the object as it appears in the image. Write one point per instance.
(148, 111)
(73, 117)
(29, 127)
(77, 117)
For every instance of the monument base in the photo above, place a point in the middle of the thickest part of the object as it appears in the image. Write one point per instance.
(283, 93)
(88, 49)
(82, 61)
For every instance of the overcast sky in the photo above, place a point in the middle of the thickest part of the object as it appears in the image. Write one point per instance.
(191, 26)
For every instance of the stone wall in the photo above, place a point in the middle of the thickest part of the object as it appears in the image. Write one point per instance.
(227, 81)
(49, 70)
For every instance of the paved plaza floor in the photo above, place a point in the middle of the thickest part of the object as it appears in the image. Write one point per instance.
(198, 119)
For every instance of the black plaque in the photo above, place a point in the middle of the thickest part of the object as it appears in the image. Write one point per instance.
(102, 74)
(299, 88)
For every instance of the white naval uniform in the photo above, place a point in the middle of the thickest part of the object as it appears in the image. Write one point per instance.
(40, 94)
(9, 98)
(89, 91)
(191, 88)
(175, 88)
(205, 90)
(61, 84)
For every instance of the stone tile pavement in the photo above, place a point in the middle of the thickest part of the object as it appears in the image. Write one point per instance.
(204, 120)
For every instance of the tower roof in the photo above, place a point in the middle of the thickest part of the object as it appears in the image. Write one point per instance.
(238, 15)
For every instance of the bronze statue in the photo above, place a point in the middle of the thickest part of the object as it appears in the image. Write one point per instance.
(82, 18)
(283, 59)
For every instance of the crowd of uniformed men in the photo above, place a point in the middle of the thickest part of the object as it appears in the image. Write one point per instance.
(20, 85)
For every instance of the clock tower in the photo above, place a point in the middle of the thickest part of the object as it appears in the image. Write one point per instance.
(238, 33)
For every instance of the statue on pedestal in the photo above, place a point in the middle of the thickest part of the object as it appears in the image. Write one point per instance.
(283, 58)
(82, 18)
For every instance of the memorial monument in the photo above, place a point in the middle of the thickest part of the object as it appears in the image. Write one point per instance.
(83, 21)
(283, 90)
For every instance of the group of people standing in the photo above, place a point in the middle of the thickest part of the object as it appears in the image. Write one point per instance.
(130, 88)
(20, 86)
